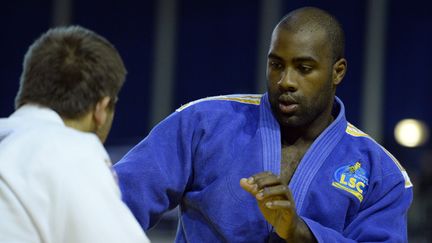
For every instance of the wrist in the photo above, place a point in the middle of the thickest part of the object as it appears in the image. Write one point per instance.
(298, 232)
(288, 232)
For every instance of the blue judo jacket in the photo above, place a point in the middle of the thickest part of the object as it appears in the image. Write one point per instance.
(347, 188)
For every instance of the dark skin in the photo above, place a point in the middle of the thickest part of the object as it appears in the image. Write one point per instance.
(302, 79)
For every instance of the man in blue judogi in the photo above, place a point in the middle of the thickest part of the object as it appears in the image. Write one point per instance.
(312, 175)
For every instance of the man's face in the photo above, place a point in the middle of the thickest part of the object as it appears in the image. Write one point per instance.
(299, 75)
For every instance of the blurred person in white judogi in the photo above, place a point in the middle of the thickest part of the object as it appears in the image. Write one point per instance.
(55, 179)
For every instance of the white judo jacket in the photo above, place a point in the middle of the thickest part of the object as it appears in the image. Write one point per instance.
(56, 185)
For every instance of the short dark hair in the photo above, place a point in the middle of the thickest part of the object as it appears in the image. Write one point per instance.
(69, 69)
(315, 18)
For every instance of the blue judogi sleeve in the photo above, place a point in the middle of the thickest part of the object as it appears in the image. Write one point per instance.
(154, 174)
(195, 159)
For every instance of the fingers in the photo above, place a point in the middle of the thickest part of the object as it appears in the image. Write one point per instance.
(276, 197)
(249, 186)
(266, 185)
(264, 179)
(255, 183)
(268, 181)
(262, 175)
(279, 204)
(277, 192)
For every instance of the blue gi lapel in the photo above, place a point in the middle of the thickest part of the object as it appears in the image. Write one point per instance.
(314, 157)
(270, 135)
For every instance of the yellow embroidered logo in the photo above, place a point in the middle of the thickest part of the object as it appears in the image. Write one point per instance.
(352, 179)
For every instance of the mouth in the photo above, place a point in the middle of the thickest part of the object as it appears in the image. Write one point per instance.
(287, 105)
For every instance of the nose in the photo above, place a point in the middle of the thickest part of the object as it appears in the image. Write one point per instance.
(288, 81)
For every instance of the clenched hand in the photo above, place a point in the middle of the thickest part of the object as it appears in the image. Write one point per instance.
(277, 206)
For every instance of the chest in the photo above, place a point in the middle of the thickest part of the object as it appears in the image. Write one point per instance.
(290, 159)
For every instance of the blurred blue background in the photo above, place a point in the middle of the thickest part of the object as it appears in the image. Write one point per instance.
(177, 51)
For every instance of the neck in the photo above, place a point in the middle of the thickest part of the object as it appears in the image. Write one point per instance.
(306, 134)
(83, 124)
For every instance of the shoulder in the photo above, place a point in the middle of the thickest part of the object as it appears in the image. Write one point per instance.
(379, 158)
(48, 143)
(211, 115)
(233, 110)
(65, 138)
(223, 102)
(82, 148)
(50, 158)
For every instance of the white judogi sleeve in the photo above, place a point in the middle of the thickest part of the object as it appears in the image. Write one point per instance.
(94, 211)
(15, 225)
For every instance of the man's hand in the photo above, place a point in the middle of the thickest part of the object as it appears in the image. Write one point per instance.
(277, 206)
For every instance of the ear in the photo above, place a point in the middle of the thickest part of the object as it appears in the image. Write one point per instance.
(100, 113)
(339, 70)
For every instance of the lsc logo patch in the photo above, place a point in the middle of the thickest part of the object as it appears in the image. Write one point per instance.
(353, 179)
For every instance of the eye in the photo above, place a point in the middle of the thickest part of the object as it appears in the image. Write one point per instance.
(275, 65)
(305, 69)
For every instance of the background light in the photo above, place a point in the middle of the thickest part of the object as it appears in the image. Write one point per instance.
(411, 133)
